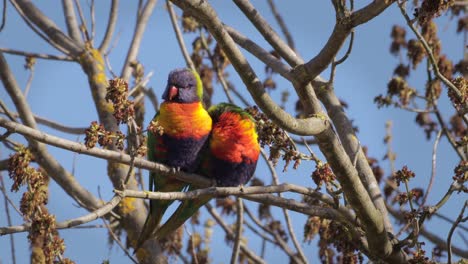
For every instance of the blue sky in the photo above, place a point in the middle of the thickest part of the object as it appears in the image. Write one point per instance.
(60, 92)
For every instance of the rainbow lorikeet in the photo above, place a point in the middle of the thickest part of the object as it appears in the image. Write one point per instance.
(230, 158)
(186, 126)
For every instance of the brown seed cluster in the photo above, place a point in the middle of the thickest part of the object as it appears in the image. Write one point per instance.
(117, 93)
(461, 172)
(430, 9)
(45, 241)
(323, 174)
(404, 175)
(462, 85)
(96, 133)
(269, 134)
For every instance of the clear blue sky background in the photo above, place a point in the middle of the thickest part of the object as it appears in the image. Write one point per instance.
(60, 92)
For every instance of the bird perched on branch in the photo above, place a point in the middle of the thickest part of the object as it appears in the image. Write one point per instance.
(230, 157)
(182, 127)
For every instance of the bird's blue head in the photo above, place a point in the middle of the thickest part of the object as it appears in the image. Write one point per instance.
(183, 86)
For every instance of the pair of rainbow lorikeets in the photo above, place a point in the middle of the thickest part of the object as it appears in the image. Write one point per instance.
(220, 143)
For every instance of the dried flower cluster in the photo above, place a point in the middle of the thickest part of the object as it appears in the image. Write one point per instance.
(269, 134)
(419, 257)
(397, 87)
(404, 175)
(462, 85)
(323, 174)
(96, 133)
(430, 9)
(335, 243)
(117, 93)
(47, 246)
(461, 172)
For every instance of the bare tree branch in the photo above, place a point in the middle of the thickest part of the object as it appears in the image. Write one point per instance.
(238, 236)
(433, 168)
(71, 21)
(98, 213)
(460, 219)
(279, 240)
(55, 125)
(230, 233)
(48, 27)
(285, 212)
(36, 55)
(268, 33)
(180, 38)
(141, 23)
(281, 23)
(7, 212)
(113, 13)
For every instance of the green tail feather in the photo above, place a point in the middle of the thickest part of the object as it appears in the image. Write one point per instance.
(185, 210)
(157, 207)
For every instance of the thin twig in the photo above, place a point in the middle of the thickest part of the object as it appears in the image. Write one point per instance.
(257, 232)
(449, 238)
(115, 237)
(93, 20)
(238, 235)
(179, 37)
(343, 59)
(29, 82)
(251, 255)
(50, 123)
(6, 111)
(7, 212)
(281, 23)
(100, 212)
(110, 27)
(84, 27)
(427, 48)
(447, 133)
(433, 168)
(291, 232)
(451, 221)
(141, 23)
(121, 245)
(270, 35)
(216, 67)
(280, 241)
(36, 55)
(36, 30)
(4, 13)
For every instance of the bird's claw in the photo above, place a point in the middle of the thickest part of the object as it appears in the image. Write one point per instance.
(175, 170)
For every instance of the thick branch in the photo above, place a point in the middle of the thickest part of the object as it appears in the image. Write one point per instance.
(110, 26)
(71, 21)
(140, 27)
(268, 33)
(48, 26)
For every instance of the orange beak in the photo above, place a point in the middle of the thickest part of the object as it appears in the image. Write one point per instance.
(173, 91)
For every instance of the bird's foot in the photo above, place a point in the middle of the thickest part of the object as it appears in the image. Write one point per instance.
(175, 170)
(241, 188)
